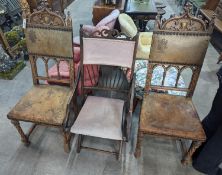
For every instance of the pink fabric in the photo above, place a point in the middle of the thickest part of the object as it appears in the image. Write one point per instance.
(108, 52)
(76, 54)
(106, 23)
(109, 20)
(100, 117)
(91, 73)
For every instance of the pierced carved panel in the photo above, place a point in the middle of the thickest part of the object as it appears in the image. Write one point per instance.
(186, 22)
(46, 17)
(108, 34)
(174, 85)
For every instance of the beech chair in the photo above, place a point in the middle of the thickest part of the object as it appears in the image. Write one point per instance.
(180, 43)
(107, 110)
(129, 28)
(48, 38)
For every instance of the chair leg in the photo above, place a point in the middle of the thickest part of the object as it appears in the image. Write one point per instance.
(119, 154)
(188, 156)
(79, 140)
(138, 144)
(24, 138)
(67, 137)
(220, 58)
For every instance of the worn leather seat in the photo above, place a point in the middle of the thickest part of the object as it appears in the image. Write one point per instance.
(42, 104)
(164, 114)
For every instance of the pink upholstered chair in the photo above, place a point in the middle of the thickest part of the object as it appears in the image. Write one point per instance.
(107, 111)
(109, 21)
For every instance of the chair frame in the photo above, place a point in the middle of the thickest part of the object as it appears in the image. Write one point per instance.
(127, 115)
(174, 25)
(36, 21)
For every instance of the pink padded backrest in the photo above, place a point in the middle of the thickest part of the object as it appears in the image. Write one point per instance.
(111, 52)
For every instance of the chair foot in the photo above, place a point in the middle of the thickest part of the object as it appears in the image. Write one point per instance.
(119, 154)
(188, 156)
(79, 140)
(24, 138)
(137, 153)
(67, 137)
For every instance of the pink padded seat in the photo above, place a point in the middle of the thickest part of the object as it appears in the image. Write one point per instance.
(104, 122)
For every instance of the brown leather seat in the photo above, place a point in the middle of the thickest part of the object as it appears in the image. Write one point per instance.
(42, 104)
(164, 114)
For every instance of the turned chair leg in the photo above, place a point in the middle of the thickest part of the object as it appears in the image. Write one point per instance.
(67, 138)
(188, 156)
(79, 140)
(24, 138)
(138, 144)
(119, 154)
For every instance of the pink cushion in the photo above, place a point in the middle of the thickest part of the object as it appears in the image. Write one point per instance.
(104, 119)
(109, 20)
(91, 73)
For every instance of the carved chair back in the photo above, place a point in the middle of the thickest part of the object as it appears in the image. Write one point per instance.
(49, 38)
(111, 55)
(180, 43)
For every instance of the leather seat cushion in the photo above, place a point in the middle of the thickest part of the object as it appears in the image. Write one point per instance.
(170, 115)
(42, 104)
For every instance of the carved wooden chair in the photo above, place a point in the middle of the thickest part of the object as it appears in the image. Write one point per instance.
(180, 43)
(48, 39)
(107, 110)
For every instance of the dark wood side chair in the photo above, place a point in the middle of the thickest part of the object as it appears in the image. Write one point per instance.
(107, 110)
(48, 39)
(180, 43)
